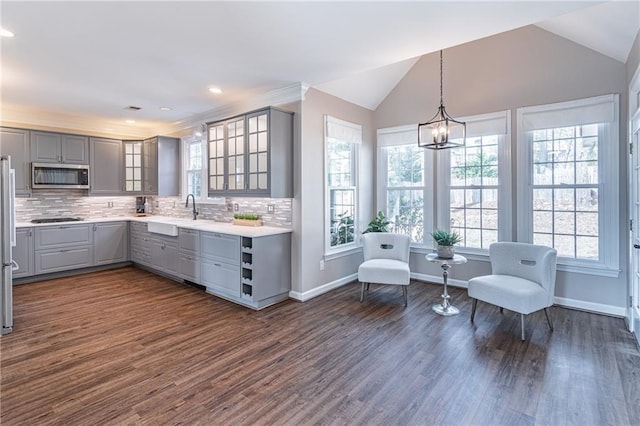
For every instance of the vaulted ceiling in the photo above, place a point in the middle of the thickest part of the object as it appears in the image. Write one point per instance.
(91, 60)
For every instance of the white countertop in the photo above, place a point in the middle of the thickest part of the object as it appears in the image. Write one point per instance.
(200, 224)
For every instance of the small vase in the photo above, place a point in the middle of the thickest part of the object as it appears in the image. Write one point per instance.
(445, 252)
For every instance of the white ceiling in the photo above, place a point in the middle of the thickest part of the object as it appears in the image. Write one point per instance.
(89, 60)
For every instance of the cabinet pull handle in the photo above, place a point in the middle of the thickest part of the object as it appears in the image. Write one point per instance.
(217, 264)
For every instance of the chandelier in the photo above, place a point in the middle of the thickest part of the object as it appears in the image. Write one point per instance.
(438, 132)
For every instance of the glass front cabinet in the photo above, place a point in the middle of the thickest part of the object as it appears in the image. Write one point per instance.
(252, 154)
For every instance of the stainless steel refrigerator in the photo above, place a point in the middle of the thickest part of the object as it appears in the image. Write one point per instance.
(8, 237)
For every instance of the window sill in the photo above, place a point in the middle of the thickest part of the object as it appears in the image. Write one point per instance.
(342, 252)
(564, 266)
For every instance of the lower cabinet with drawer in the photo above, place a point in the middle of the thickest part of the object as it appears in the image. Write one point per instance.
(220, 278)
(62, 259)
(189, 255)
(251, 271)
(63, 247)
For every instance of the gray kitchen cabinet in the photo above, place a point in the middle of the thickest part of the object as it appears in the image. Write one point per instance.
(23, 253)
(106, 167)
(164, 254)
(220, 263)
(220, 278)
(47, 147)
(63, 259)
(63, 247)
(15, 142)
(189, 254)
(132, 167)
(156, 251)
(252, 154)
(57, 236)
(140, 249)
(152, 166)
(110, 243)
(265, 269)
(161, 166)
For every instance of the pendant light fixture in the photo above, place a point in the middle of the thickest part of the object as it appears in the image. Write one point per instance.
(439, 132)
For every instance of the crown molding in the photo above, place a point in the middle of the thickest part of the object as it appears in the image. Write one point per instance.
(284, 95)
(12, 116)
(21, 117)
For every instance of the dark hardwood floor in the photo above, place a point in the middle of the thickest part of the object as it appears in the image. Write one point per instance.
(128, 347)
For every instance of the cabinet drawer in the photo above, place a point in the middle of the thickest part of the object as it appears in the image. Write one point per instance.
(189, 267)
(222, 247)
(140, 256)
(138, 227)
(63, 259)
(189, 240)
(62, 235)
(220, 277)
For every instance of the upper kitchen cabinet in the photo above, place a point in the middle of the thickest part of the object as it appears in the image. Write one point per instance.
(47, 147)
(132, 167)
(252, 154)
(152, 166)
(161, 166)
(106, 167)
(15, 142)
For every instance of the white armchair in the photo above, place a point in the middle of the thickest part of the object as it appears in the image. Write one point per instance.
(523, 280)
(386, 261)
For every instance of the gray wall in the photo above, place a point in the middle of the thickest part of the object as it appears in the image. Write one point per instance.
(308, 204)
(524, 67)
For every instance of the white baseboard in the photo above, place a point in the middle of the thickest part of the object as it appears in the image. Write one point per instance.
(437, 279)
(599, 308)
(303, 297)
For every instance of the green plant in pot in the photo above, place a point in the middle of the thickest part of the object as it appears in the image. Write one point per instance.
(445, 241)
(380, 223)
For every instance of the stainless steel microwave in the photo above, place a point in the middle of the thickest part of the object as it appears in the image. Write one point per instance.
(69, 176)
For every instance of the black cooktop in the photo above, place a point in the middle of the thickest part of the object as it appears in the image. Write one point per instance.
(57, 219)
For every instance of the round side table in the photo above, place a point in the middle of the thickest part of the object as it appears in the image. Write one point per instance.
(445, 308)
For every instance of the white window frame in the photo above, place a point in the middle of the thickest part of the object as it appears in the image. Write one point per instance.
(577, 112)
(490, 124)
(204, 172)
(345, 131)
(399, 136)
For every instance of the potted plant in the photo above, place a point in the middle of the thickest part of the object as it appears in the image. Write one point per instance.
(246, 219)
(445, 241)
(380, 223)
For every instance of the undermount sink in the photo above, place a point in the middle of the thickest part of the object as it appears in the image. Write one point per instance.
(163, 228)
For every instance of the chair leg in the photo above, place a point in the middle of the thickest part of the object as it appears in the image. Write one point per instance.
(368, 286)
(362, 292)
(404, 295)
(522, 325)
(473, 309)
(546, 314)
(501, 310)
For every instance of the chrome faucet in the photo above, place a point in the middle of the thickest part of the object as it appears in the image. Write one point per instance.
(195, 212)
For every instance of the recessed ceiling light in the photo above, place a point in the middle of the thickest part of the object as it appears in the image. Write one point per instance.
(130, 121)
(215, 90)
(165, 109)
(6, 33)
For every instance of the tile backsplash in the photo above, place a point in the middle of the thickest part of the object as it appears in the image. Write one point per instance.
(66, 203)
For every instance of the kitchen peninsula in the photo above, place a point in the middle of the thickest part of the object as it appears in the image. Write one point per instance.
(247, 265)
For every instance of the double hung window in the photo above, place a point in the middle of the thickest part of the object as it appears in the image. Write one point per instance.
(402, 188)
(568, 166)
(342, 140)
(473, 195)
